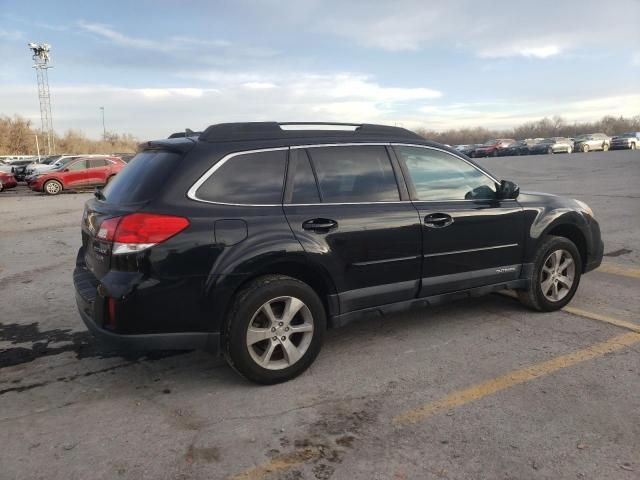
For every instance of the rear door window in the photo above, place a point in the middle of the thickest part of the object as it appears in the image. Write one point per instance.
(97, 162)
(354, 174)
(143, 177)
(249, 179)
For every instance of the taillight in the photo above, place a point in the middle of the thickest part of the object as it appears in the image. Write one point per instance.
(138, 231)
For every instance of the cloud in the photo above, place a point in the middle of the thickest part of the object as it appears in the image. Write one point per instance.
(11, 34)
(503, 28)
(170, 44)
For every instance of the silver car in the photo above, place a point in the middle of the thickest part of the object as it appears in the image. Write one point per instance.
(592, 141)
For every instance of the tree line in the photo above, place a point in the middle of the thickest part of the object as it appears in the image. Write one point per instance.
(546, 127)
(17, 134)
(18, 137)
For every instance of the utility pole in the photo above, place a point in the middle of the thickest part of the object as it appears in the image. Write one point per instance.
(40, 55)
(104, 129)
(37, 147)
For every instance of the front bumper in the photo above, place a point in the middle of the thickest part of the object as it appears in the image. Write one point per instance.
(91, 309)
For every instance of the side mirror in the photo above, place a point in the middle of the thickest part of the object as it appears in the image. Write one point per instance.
(508, 190)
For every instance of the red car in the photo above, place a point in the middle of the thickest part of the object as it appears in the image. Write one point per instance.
(493, 148)
(81, 173)
(7, 180)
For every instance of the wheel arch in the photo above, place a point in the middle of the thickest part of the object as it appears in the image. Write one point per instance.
(572, 232)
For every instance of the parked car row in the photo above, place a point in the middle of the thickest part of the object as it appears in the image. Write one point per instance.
(56, 173)
(583, 143)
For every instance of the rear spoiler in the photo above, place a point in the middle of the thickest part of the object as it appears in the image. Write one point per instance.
(178, 145)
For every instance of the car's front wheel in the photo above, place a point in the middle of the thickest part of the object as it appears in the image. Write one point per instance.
(52, 187)
(555, 277)
(275, 329)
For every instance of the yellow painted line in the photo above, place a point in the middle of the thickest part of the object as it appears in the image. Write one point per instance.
(516, 377)
(603, 318)
(279, 463)
(615, 269)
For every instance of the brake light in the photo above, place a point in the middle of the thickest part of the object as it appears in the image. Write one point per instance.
(139, 231)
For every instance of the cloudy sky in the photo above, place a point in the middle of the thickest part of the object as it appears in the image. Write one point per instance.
(158, 66)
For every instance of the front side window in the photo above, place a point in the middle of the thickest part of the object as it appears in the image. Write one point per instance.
(250, 178)
(440, 176)
(79, 165)
(353, 174)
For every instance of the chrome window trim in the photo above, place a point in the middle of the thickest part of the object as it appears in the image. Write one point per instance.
(469, 250)
(192, 192)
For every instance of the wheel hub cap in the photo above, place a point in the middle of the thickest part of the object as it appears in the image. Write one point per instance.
(558, 275)
(280, 333)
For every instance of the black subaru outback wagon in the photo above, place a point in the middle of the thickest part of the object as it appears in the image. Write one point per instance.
(254, 238)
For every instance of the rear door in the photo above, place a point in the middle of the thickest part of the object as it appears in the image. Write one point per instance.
(354, 219)
(97, 171)
(470, 237)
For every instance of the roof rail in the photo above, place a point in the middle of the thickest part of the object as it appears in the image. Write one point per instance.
(223, 132)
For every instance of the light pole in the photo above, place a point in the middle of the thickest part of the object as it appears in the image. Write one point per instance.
(104, 130)
(37, 147)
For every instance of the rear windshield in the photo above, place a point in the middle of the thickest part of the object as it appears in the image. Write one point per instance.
(141, 178)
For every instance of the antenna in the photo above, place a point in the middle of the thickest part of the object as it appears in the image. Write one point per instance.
(41, 64)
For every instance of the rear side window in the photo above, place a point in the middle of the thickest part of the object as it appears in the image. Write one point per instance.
(353, 174)
(251, 179)
(95, 163)
(142, 178)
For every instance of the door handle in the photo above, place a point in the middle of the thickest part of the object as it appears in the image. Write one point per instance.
(320, 225)
(438, 220)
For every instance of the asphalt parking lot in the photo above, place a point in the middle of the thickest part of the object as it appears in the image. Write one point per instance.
(475, 389)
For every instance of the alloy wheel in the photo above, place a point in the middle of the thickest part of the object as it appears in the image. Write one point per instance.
(558, 275)
(280, 332)
(52, 188)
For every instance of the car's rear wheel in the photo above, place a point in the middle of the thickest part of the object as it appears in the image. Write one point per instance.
(585, 148)
(275, 329)
(52, 187)
(556, 275)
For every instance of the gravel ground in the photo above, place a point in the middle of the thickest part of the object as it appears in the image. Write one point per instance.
(475, 389)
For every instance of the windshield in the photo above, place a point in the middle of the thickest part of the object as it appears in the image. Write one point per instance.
(627, 135)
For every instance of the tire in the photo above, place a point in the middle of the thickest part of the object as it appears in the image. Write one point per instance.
(52, 187)
(585, 148)
(534, 297)
(278, 292)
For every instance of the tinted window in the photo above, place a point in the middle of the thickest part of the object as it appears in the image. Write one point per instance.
(79, 165)
(253, 178)
(97, 162)
(354, 174)
(143, 177)
(440, 176)
(304, 188)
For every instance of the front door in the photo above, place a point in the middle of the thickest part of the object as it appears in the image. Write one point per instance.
(75, 174)
(470, 237)
(344, 205)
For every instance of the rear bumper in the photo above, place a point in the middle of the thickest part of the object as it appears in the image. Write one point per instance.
(90, 305)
